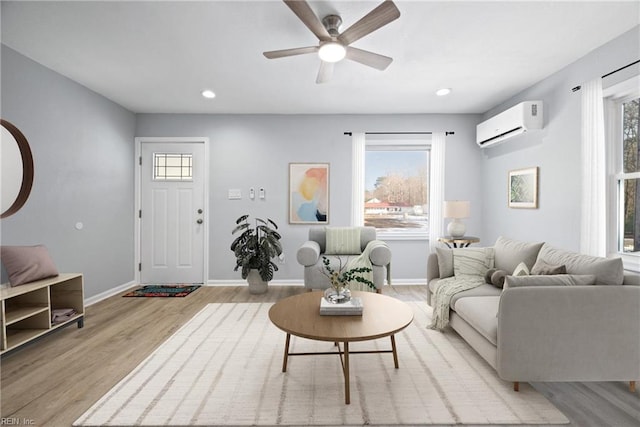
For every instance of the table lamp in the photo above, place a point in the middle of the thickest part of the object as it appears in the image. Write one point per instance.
(456, 209)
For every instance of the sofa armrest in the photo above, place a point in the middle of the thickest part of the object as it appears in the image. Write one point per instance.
(569, 333)
(379, 254)
(631, 279)
(309, 253)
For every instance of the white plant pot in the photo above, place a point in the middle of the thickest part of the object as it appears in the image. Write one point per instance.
(256, 284)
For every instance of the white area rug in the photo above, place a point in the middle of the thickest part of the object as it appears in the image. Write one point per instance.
(224, 368)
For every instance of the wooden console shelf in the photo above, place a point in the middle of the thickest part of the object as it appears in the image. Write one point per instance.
(27, 309)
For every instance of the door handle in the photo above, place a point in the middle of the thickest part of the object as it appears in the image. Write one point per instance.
(199, 221)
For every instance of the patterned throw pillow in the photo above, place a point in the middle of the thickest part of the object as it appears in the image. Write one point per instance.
(342, 240)
(521, 270)
(472, 261)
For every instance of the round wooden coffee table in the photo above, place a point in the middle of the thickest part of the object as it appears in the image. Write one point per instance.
(382, 316)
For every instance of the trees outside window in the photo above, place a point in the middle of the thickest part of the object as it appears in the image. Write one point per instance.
(629, 181)
(396, 189)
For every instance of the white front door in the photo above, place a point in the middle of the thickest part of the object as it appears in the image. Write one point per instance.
(172, 217)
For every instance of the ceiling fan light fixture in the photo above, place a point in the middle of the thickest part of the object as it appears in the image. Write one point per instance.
(209, 94)
(443, 92)
(332, 52)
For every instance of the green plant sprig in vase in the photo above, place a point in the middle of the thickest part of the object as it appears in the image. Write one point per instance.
(341, 278)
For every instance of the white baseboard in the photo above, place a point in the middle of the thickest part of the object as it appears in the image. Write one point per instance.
(421, 282)
(235, 282)
(291, 282)
(243, 282)
(111, 292)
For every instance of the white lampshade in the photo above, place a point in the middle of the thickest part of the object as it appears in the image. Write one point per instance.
(456, 209)
(332, 52)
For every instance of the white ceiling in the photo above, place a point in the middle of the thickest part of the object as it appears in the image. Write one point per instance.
(158, 56)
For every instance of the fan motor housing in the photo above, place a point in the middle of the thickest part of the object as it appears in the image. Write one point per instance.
(332, 24)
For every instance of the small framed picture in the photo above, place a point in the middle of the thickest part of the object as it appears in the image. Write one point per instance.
(308, 193)
(523, 188)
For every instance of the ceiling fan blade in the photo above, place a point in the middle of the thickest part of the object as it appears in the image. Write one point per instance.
(365, 57)
(290, 52)
(303, 11)
(325, 72)
(377, 18)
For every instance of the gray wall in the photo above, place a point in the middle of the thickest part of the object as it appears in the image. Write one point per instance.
(255, 151)
(555, 150)
(83, 153)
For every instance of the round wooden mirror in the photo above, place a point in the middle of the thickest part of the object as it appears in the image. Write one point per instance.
(16, 169)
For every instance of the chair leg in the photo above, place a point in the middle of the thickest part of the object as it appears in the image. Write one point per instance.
(632, 386)
(516, 386)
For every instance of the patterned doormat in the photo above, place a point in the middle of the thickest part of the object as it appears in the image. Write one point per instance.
(162, 291)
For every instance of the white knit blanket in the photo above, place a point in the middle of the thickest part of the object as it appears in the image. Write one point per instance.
(364, 260)
(446, 289)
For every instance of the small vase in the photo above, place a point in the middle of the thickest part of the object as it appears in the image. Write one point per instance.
(338, 295)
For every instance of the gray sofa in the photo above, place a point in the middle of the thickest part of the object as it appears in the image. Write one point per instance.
(539, 329)
(311, 252)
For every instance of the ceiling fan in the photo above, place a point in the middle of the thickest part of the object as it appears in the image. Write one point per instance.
(334, 46)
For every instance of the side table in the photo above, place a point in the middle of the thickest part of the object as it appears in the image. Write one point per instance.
(458, 242)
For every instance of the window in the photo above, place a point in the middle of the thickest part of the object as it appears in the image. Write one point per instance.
(623, 119)
(629, 180)
(396, 188)
(172, 167)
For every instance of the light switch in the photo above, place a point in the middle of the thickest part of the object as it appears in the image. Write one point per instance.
(252, 193)
(262, 193)
(235, 194)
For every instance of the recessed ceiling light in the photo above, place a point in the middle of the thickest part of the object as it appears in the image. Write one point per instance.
(443, 91)
(208, 94)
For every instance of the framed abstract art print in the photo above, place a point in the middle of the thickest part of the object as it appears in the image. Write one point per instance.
(308, 193)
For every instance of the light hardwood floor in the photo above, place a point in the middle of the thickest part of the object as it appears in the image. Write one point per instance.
(53, 381)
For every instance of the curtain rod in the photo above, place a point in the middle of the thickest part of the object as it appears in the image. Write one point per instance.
(577, 88)
(400, 133)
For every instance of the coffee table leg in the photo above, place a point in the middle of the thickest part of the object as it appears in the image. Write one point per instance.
(286, 353)
(395, 353)
(347, 392)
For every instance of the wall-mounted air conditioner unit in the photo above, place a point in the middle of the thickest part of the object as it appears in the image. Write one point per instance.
(514, 121)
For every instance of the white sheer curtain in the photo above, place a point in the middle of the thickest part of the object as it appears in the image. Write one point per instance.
(593, 210)
(357, 188)
(436, 188)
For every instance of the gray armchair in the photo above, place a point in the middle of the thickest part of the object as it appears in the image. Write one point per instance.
(311, 252)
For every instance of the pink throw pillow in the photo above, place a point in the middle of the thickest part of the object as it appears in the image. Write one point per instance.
(25, 264)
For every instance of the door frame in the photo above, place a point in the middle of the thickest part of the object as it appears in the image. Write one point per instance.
(138, 199)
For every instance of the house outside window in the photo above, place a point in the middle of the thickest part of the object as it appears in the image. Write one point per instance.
(623, 130)
(396, 188)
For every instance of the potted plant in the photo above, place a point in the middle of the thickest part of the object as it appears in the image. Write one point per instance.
(254, 249)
